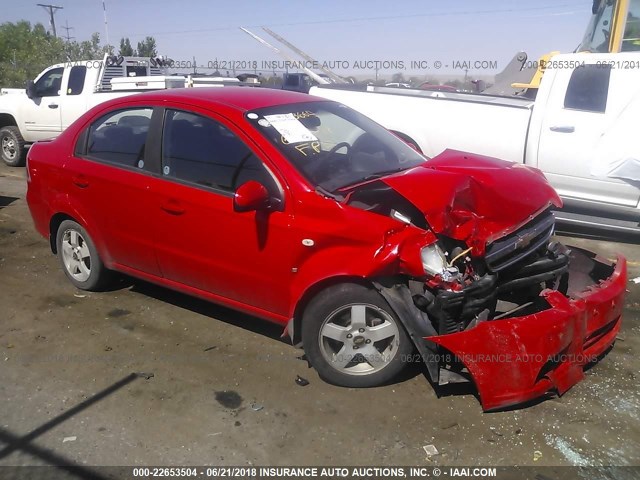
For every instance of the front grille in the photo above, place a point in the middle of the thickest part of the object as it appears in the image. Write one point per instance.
(509, 250)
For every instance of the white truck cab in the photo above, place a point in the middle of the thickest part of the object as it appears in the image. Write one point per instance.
(58, 96)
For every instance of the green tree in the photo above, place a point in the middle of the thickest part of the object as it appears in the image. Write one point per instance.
(126, 49)
(147, 47)
(87, 49)
(25, 50)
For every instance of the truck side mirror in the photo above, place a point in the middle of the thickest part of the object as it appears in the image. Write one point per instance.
(31, 89)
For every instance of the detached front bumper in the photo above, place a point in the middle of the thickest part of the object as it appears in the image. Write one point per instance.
(518, 359)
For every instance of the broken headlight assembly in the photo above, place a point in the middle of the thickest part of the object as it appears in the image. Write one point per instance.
(434, 263)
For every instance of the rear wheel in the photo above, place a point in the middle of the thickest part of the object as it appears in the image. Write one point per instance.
(353, 338)
(79, 257)
(12, 146)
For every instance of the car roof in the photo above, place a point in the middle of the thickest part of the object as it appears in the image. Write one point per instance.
(243, 98)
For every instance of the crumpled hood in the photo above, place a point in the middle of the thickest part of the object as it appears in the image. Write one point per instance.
(474, 198)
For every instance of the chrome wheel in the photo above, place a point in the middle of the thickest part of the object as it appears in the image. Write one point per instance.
(9, 148)
(359, 339)
(75, 255)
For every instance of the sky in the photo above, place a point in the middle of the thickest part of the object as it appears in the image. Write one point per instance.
(352, 34)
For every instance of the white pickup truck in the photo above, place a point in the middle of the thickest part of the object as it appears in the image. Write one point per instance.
(581, 131)
(61, 94)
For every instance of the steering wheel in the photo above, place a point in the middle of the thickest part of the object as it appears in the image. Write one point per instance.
(314, 167)
(337, 147)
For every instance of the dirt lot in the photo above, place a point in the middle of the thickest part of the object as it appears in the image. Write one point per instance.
(220, 386)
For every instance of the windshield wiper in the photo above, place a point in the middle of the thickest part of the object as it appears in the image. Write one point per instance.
(383, 174)
(326, 193)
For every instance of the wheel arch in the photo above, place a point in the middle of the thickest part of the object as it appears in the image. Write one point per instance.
(7, 120)
(61, 215)
(54, 225)
(294, 326)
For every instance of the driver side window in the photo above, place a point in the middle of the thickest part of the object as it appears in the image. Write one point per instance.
(199, 150)
(50, 83)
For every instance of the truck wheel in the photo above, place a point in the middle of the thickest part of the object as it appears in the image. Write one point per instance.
(12, 146)
(79, 257)
(353, 338)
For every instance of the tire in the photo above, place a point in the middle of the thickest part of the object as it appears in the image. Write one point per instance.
(369, 352)
(79, 257)
(12, 147)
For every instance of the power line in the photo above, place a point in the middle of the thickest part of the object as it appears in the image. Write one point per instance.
(373, 19)
(52, 10)
(67, 28)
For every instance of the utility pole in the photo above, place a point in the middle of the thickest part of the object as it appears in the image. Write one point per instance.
(52, 10)
(67, 28)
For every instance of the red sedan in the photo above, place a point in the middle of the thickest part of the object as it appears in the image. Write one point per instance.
(308, 214)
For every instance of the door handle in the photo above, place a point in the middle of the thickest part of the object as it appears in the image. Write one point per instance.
(53, 105)
(172, 207)
(563, 129)
(80, 181)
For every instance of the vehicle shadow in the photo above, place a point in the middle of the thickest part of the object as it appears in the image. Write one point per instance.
(25, 444)
(6, 201)
(206, 308)
(231, 317)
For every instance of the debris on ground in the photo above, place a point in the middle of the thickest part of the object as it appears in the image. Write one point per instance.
(431, 450)
(256, 407)
(305, 359)
(303, 382)
(144, 375)
(69, 439)
(537, 455)
(636, 280)
(210, 348)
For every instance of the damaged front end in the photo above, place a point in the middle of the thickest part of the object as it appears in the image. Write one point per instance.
(520, 321)
(481, 288)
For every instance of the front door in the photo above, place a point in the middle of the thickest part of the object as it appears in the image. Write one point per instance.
(202, 241)
(581, 109)
(41, 113)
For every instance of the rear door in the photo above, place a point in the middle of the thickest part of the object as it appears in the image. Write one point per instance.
(110, 178)
(582, 105)
(203, 242)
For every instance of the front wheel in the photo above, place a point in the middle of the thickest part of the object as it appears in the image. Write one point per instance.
(79, 257)
(353, 338)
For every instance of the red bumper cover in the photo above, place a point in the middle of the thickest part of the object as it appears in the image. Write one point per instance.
(519, 359)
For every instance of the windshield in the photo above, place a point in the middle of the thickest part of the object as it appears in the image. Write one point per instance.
(332, 145)
(596, 39)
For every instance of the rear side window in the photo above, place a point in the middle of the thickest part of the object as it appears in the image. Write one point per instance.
(120, 137)
(199, 150)
(76, 80)
(589, 88)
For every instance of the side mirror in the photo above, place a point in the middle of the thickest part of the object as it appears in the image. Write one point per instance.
(251, 196)
(31, 89)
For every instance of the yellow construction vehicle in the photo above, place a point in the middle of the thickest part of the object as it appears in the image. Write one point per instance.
(614, 27)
